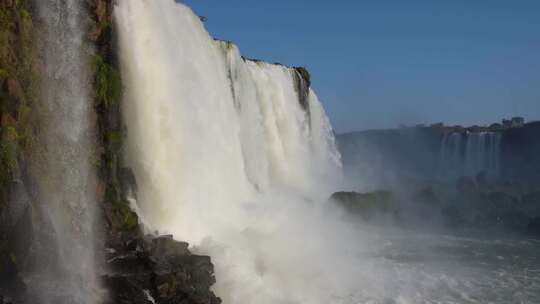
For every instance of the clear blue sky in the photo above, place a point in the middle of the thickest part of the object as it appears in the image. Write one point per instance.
(380, 63)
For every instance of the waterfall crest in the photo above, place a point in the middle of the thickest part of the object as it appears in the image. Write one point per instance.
(229, 156)
(198, 104)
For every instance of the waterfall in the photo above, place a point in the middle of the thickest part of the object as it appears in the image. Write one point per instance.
(67, 182)
(471, 153)
(229, 158)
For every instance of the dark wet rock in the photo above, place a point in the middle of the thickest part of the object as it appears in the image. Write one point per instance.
(10, 280)
(5, 300)
(367, 205)
(465, 184)
(302, 82)
(128, 183)
(303, 72)
(482, 179)
(534, 227)
(427, 196)
(143, 269)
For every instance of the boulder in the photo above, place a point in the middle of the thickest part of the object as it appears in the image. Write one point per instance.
(5, 300)
(465, 184)
(367, 205)
(147, 269)
(534, 227)
(427, 196)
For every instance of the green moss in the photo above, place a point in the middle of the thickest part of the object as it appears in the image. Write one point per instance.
(124, 217)
(104, 24)
(107, 83)
(5, 19)
(114, 138)
(18, 58)
(129, 219)
(3, 74)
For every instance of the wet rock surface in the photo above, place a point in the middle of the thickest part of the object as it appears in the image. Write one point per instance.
(5, 300)
(146, 269)
(367, 205)
(534, 227)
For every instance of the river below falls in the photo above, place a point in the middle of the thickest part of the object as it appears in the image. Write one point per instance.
(412, 267)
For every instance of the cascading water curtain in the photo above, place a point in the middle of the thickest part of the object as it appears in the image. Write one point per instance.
(68, 177)
(228, 158)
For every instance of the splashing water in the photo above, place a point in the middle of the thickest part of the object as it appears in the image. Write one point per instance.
(227, 157)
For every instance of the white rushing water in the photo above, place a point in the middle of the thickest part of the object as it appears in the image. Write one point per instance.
(67, 176)
(227, 158)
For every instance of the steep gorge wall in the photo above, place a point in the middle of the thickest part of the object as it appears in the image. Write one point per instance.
(20, 68)
(385, 157)
(520, 153)
(382, 158)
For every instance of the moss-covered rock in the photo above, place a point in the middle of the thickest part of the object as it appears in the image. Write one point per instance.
(19, 85)
(107, 83)
(19, 91)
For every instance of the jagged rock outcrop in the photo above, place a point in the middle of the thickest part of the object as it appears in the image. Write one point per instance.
(303, 83)
(5, 300)
(145, 269)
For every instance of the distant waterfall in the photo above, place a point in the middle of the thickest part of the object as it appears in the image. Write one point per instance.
(471, 153)
(229, 158)
(67, 176)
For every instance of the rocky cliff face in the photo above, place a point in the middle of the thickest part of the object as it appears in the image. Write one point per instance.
(412, 163)
(520, 153)
(390, 156)
(381, 158)
(19, 103)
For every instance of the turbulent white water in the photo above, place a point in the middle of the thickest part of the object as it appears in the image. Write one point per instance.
(227, 158)
(67, 177)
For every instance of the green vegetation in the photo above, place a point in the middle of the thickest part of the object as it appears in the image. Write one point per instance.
(129, 219)
(103, 24)
(114, 140)
(5, 20)
(107, 82)
(123, 217)
(19, 83)
(3, 74)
